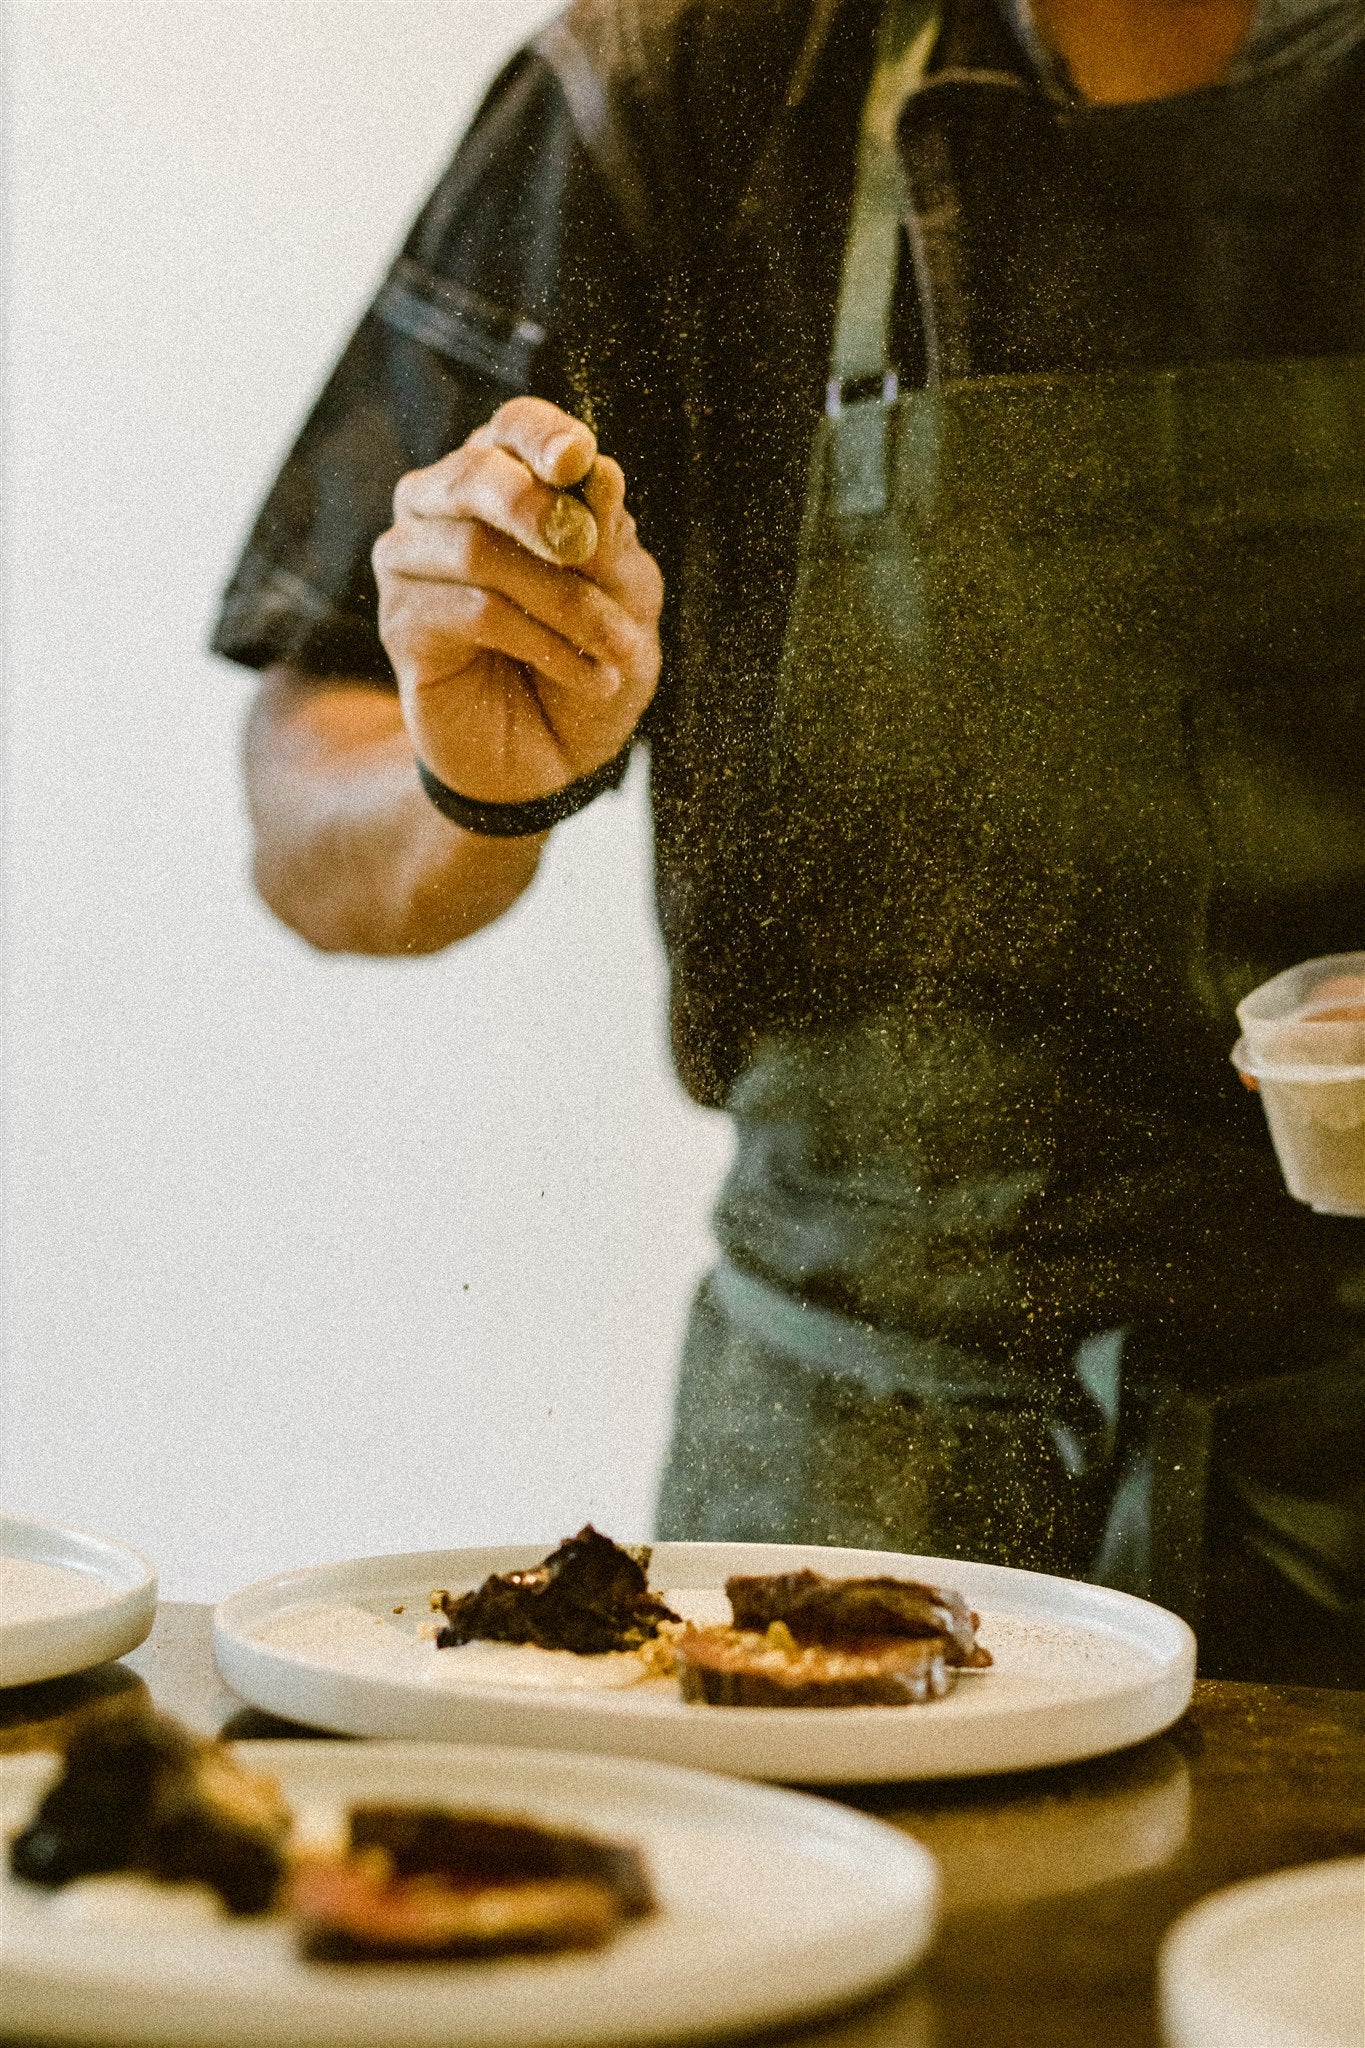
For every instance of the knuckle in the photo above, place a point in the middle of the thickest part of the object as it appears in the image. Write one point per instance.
(467, 548)
(479, 461)
(474, 608)
(524, 414)
(643, 653)
(427, 645)
(405, 490)
(454, 467)
(395, 601)
(525, 501)
(578, 603)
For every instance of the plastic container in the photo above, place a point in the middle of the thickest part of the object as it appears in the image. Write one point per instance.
(1303, 1048)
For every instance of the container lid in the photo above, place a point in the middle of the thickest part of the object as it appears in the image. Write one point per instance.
(1288, 1060)
(1335, 978)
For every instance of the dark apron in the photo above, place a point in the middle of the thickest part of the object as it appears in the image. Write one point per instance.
(1069, 752)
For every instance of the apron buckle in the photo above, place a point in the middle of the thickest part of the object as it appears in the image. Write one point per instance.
(879, 387)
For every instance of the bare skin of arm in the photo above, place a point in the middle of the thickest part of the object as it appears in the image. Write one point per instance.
(1124, 50)
(523, 630)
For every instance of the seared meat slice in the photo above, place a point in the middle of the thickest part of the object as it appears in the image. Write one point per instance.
(420, 1883)
(495, 1848)
(838, 1611)
(589, 1596)
(729, 1667)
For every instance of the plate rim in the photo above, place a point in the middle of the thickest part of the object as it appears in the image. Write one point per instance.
(899, 1921)
(42, 1647)
(276, 1679)
(1185, 1983)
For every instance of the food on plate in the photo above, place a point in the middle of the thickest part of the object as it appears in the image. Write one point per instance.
(732, 1667)
(795, 1638)
(152, 1828)
(589, 1596)
(421, 1883)
(138, 1793)
(801, 1640)
(835, 1611)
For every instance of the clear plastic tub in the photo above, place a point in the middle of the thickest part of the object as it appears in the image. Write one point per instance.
(1303, 1048)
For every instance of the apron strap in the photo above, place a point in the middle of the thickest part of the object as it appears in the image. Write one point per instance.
(862, 384)
(906, 36)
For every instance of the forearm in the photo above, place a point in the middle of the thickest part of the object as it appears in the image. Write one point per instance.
(348, 850)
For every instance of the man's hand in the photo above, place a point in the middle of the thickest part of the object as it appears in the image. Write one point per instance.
(523, 625)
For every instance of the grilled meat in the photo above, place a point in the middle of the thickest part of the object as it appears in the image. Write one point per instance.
(852, 1611)
(727, 1667)
(420, 1883)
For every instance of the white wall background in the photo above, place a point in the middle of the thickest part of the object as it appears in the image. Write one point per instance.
(304, 1257)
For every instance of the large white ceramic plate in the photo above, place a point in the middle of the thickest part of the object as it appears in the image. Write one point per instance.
(772, 1905)
(1278, 1962)
(1078, 1670)
(67, 1600)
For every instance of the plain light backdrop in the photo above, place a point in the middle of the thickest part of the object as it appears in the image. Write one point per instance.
(304, 1257)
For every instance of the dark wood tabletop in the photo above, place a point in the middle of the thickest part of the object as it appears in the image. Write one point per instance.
(1057, 1885)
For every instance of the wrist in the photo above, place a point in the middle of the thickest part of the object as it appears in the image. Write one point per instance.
(531, 818)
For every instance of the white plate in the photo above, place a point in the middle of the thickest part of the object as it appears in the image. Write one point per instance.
(1275, 1963)
(772, 1904)
(1079, 1670)
(67, 1600)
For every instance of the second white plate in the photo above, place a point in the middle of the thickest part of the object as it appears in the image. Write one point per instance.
(67, 1600)
(771, 1905)
(1079, 1670)
(1277, 1962)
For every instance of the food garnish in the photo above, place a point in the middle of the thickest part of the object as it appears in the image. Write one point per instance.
(139, 1793)
(589, 1595)
(142, 1803)
(420, 1883)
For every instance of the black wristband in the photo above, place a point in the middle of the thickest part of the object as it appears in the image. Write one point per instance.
(521, 821)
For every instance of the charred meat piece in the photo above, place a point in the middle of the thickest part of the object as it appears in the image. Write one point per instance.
(421, 1883)
(138, 1793)
(589, 1596)
(727, 1667)
(849, 1611)
(484, 1848)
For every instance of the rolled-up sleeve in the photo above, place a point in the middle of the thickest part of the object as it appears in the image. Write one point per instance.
(517, 276)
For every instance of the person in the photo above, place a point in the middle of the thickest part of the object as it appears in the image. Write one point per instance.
(938, 432)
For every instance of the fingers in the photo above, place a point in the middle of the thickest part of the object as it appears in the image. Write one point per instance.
(485, 483)
(444, 634)
(621, 565)
(490, 557)
(465, 552)
(512, 474)
(604, 491)
(554, 445)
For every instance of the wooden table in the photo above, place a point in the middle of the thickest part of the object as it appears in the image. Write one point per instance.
(1058, 1885)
